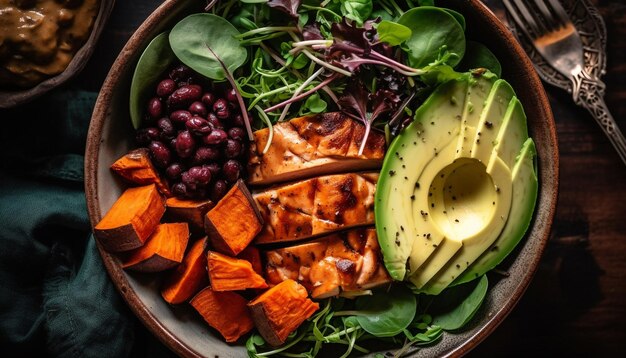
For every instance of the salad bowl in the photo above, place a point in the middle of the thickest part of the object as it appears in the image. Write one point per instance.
(180, 327)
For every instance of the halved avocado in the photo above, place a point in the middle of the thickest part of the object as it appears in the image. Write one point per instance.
(445, 193)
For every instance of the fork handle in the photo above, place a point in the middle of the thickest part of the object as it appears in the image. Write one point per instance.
(588, 91)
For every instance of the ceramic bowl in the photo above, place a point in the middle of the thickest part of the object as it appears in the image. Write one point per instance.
(14, 98)
(181, 328)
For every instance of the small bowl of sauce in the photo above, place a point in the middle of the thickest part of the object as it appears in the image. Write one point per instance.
(43, 43)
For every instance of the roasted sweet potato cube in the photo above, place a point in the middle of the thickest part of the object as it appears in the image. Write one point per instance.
(136, 167)
(131, 220)
(225, 311)
(188, 277)
(231, 274)
(165, 249)
(280, 310)
(253, 256)
(234, 221)
(191, 211)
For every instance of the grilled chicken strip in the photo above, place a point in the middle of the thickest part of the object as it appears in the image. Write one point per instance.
(316, 207)
(348, 261)
(314, 145)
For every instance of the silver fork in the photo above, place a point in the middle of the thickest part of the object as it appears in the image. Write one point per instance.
(551, 32)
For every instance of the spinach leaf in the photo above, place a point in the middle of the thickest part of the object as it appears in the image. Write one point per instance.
(426, 2)
(458, 16)
(191, 37)
(154, 60)
(386, 314)
(478, 55)
(356, 10)
(392, 33)
(314, 104)
(434, 32)
(457, 306)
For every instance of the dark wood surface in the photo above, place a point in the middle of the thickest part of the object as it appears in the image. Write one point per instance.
(576, 305)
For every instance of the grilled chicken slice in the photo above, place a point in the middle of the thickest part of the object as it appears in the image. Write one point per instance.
(311, 146)
(316, 206)
(348, 261)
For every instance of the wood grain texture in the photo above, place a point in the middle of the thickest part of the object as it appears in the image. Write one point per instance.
(576, 305)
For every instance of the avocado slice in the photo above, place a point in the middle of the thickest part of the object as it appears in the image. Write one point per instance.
(491, 120)
(525, 187)
(475, 103)
(512, 135)
(436, 124)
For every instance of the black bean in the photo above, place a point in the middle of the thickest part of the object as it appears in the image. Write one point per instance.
(185, 144)
(180, 116)
(205, 155)
(214, 121)
(165, 88)
(233, 148)
(184, 96)
(231, 96)
(231, 170)
(180, 73)
(198, 125)
(198, 108)
(236, 133)
(218, 190)
(155, 108)
(166, 127)
(173, 171)
(208, 99)
(217, 136)
(220, 107)
(145, 135)
(161, 155)
(201, 175)
(237, 121)
(179, 189)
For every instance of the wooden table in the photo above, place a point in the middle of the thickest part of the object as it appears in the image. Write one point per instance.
(576, 305)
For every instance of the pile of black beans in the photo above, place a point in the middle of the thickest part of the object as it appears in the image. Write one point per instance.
(195, 133)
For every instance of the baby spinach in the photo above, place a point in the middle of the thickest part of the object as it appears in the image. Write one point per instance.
(192, 35)
(154, 60)
(458, 16)
(478, 55)
(434, 32)
(386, 314)
(457, 305)
(356, 10)
(392, 32)
(314, 104)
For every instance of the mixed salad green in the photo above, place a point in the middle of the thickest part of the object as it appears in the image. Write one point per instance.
(373, 60)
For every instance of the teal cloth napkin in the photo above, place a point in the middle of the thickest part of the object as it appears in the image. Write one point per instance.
(56, 298)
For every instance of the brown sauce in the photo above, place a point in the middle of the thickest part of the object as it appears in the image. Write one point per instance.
(39, 38)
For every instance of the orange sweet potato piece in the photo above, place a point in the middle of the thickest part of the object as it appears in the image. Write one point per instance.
(280, 310)
(136, 167)
(165, 249)
(225, 311)
(234, 221)
(188, 277)
(252, 255)
(131, 220)
(230, 274)
(191, 211)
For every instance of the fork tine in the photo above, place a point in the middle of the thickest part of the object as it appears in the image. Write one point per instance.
(550, 22)
(559, 11)
(524, 18)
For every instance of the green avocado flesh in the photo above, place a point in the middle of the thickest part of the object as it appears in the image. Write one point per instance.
(455, 184)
